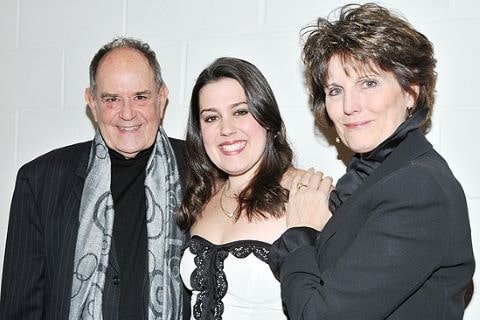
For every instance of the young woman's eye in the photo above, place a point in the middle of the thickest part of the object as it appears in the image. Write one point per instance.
(210, 118)
(241, 112)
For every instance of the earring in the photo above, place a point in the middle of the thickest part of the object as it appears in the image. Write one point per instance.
(337, 139)
(409, 112)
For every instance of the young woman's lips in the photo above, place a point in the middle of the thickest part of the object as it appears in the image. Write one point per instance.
(231, 148)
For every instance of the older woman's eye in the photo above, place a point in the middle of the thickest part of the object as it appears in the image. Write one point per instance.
(369, 83)
(334, 91)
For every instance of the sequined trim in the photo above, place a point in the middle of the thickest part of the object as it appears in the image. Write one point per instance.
(209, 279)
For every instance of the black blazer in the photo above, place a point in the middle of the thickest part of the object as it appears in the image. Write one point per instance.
(42, 234)
(398, 248)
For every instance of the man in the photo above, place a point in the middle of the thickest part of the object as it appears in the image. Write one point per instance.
(92, 233)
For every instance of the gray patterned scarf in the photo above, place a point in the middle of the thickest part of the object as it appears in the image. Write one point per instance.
(165, 239)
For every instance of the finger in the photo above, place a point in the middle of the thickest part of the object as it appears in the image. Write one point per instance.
(296, 180)
(306, 179)
(308, 175)
(302, 181)
(326, 185)
(315, 180)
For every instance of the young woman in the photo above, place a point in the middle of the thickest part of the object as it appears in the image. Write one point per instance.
(239, 164)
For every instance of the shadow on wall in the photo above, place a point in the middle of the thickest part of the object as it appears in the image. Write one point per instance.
(343, 153)
(89, 114)
(469, 294)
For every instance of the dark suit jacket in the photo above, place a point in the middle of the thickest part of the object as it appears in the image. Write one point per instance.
(398, 248)
(42, 234)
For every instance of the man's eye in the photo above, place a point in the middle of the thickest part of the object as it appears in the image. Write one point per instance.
(111, 100)
(140, 97)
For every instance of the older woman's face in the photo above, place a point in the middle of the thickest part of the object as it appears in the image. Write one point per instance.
(365, 108)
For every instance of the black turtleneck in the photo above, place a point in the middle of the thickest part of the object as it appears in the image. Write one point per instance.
(130, 229)
(362, 165)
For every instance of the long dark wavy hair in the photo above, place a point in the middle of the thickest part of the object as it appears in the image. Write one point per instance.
(367, 37)
(263, 196)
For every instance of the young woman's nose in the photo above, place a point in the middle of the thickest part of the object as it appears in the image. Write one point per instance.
(227, 127)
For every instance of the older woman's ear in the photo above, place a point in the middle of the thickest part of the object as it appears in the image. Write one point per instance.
(411, 98)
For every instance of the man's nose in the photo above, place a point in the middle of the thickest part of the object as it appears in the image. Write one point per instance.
(127, 112)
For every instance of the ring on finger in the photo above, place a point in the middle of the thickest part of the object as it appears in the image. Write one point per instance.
(300, 185)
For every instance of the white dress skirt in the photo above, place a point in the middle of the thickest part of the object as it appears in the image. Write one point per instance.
(231, 281)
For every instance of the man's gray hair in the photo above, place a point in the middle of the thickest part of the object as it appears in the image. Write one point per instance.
(123, 42)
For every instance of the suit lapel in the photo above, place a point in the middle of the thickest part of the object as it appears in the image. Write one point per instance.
(81, 173)
(414, 145)
(113, 257)
(70, 223)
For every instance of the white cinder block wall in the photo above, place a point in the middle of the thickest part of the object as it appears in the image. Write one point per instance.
(45, 48)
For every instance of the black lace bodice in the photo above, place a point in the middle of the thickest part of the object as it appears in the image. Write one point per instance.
(209, 278)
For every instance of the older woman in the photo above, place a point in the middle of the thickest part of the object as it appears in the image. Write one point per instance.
(398, 245)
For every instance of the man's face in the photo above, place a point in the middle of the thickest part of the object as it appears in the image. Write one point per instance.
(128, 107)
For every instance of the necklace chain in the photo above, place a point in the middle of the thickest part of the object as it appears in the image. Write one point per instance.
(228, 214)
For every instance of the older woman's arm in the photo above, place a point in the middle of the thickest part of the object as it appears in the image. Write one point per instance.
(410, 230)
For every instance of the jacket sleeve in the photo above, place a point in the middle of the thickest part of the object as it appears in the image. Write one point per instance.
(399, 246)
(22, 295)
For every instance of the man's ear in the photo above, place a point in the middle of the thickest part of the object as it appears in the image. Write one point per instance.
(163, 100)
(90, 100)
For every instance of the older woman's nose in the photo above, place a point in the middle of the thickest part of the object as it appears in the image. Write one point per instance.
(351, 103)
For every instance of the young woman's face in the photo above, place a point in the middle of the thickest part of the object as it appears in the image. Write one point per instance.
(234, 141)
(365, 108)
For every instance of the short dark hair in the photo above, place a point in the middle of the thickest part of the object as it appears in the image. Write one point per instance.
(369, 36)
(264, 194)
(123, 42)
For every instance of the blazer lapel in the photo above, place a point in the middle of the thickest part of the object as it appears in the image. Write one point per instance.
(414, 145)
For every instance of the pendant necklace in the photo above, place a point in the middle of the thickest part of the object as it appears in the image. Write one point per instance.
(228, 214)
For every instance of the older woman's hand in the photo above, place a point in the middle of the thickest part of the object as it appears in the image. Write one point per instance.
(308, 201)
